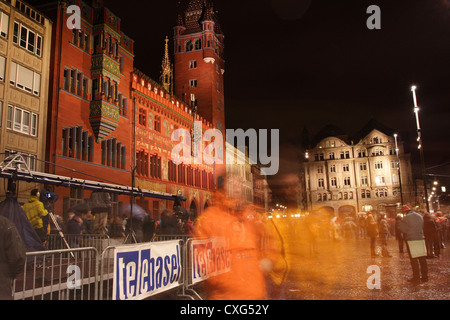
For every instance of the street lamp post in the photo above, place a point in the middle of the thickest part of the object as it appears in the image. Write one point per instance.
(420, 141)
(398, 168)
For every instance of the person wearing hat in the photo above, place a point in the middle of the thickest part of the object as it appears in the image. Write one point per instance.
(36, 212)
(412, 228)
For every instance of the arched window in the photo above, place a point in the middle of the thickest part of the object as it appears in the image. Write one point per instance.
(198, 44)
(189, 46)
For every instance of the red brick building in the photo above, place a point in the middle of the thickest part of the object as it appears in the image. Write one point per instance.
(199, 61)
(89, 123)
(105, 116)
(200, 65)
(158, 114)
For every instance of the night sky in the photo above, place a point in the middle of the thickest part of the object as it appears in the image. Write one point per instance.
(297, 63)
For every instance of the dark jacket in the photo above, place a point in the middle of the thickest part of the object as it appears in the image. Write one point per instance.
(372, 227)
(12, 256)
(412, 226)
(429, 227)
(169, 224)
(100, 202)
(398, 233)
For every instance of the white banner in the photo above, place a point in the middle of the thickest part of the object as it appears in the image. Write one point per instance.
(143, 270)
(209, 258)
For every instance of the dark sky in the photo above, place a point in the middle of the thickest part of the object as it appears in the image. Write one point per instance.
(296, 63)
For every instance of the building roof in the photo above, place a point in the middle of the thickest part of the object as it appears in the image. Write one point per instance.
(369, 127)
(329, 130)
(332, 130)
(196, 12)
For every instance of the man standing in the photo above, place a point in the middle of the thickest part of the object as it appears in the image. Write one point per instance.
(12, 256)
(412, 227)
(36, 212)
(100, 204)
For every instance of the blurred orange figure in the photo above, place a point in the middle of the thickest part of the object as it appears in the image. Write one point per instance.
(246, 280)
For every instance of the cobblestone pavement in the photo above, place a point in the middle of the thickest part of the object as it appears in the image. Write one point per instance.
(338, 271)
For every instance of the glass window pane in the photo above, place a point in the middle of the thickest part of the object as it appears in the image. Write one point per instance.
(38, 45)
(37, 84)
(23, 37)
(31, 41)
(4, 26)
(17, 119)
(13, 73)
(9, 117)
(26, 122)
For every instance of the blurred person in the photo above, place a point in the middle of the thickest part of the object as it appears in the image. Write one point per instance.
(373, 233)
(169, 223)
(384, 235)
(12, 256)
(334, 229)
(362, 224)
(245, 280)
(101, 205)
(398, 234)
(412, 227)
(188, 227)
(36, 212)
(349, 227)
(430, 233)
(74, 229)
(444, 226)
(135, 220)
(441, 226)
(312, 228)
(149, 227)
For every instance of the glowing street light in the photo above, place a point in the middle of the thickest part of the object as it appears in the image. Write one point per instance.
(419, 140)
(398, 168)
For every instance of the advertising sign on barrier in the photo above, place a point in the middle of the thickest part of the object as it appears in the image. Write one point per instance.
(141, 271)
(209, 258)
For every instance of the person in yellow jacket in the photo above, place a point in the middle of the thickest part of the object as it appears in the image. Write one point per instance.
(35, 211)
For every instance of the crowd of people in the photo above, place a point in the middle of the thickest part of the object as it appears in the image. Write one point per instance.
(94, 217)
(420, 234)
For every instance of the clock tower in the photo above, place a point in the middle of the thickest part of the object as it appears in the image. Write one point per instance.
(199, 61)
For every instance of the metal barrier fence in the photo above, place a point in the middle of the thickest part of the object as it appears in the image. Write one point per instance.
(50, 275)
(98, 241)
(46, 275)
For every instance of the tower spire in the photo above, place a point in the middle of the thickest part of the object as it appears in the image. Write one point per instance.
(167, 70)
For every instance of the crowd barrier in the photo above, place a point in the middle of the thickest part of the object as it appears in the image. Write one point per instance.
(47, 275)
(132, 271)
(98, 241)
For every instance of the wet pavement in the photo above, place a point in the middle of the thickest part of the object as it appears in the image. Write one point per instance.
(339, 271)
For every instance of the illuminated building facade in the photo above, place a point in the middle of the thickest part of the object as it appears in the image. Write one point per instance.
(347, 175)
(110, 122)
(25, 48)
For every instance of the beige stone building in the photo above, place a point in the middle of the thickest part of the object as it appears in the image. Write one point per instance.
(239, 178)
(347, 175)
(25, 46)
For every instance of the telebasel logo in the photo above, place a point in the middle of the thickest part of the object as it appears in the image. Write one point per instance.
(192, 146)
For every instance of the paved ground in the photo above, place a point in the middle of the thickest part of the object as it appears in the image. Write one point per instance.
(338, 271)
